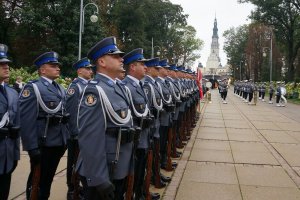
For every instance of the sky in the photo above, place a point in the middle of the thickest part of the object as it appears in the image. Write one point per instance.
(202, 13)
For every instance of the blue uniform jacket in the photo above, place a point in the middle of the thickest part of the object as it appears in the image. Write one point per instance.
(74, 94)
(140, 101)
(33, 122)
(165, 116)
(97, 148)
(149, 81)
(9, 148)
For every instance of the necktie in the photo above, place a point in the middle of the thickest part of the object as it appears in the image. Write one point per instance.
(141, 85)
(56, 86)
(2, 91)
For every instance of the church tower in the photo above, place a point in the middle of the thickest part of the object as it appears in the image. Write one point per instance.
(213, 61)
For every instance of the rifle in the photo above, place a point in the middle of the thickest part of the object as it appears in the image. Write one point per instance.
(149, 174)
(35, 182)
(129, 191)
(157, 164)
(36, 174)
(169, 146)
(75, 176)
(130, 178)
(174, 150)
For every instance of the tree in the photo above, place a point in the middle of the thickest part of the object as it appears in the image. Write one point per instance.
(283, 15)
(234, 46)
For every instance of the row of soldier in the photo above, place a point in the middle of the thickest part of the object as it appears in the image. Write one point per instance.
(249, 90)
(119, 133)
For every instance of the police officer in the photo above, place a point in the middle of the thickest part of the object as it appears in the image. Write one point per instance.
(156, 106)
(271, 92)
(135, 66)
(166, 115)
(43, 123)
(173, 83)
(105, 126)
(74, 92)
(9, 125)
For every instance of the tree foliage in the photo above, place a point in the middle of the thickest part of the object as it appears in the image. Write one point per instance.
(30, 27)
(284, 17)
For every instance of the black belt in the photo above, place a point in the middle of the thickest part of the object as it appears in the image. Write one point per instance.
(9, 133)
(127, 134)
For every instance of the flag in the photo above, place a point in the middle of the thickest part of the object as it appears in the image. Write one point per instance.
(199, 82)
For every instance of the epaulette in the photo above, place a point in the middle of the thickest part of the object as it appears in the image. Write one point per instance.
(94, 82)
(32, 81)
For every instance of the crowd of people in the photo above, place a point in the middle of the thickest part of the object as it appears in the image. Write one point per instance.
(248, 91)
(122, 120)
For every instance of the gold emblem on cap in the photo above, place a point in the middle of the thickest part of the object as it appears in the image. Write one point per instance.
(71, 91)
(123, 114)
(90, 100)
(25, 93)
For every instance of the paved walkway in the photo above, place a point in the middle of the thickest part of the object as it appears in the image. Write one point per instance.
(236, 152)
(241, 152)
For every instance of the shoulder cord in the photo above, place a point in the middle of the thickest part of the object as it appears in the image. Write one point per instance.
(140, 115)
(162, 95)
(156, 106)
(5, 119)
(182, 93)
(177, 97)
(41, 102)
(113, 116)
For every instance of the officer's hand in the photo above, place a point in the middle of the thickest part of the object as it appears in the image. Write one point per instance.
(35, 156)
(106, 191)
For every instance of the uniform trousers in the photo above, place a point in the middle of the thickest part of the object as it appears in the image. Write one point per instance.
(163, 133)
(277, 98)
(263, 95)
(50, 157)
(5, 180)
(250, 96)
(139, 171)
(72, 145)
(270, 96)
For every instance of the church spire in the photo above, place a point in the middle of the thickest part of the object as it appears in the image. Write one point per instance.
(215, 30)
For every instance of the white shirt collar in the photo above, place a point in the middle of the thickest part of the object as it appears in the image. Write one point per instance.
(151, 78)
(47, 79)
(134, 79)
(2, 83)
(108, 77)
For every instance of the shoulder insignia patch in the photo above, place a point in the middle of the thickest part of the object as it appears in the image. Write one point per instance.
(26, 93)
(71, 91)
(90, 100)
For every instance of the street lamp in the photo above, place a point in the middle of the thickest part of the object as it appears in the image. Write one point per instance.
(269, 37)
(241, 70)
(93, 18)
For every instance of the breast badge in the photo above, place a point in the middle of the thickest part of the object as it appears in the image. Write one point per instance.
(90, 100)
(71, 91)
(123, 114)
(26, 93)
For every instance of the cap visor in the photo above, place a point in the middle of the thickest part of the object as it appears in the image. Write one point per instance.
(143, 60)
(121, 53)
(5, 60)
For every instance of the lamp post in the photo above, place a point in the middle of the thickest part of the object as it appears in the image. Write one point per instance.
(93, 19)
(269, 37)
(241, 70)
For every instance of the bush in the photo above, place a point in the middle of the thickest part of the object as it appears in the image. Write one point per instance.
(28, 76)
